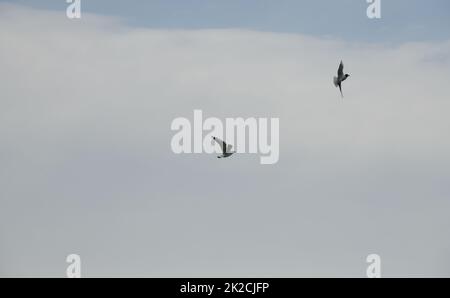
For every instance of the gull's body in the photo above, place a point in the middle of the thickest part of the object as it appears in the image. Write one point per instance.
(226, 149)
(340, 77)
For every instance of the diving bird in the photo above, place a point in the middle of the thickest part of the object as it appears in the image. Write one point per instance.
(340, 78)
(226, 149)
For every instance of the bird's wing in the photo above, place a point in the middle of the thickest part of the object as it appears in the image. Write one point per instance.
(221, 143)
(341, 70)
(340, 88)
(229, 147)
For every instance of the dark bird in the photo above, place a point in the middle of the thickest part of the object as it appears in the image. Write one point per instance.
(226, 149)
(340, 77)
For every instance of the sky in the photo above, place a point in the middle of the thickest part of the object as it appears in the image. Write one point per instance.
(403, 20)
(85, 113)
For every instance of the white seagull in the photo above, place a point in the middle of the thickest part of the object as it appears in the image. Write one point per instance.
(226, 149)
(340, 78)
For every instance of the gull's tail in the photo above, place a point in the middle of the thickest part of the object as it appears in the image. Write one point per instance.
(335, 81)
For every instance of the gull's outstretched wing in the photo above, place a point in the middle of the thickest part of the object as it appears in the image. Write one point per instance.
(221, 143)
(341, 70)
(340, 89)
(229, 147)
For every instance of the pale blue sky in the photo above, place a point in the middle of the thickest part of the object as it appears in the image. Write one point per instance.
(402, 20)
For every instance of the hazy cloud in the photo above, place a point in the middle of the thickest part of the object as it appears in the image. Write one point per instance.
(85, 114)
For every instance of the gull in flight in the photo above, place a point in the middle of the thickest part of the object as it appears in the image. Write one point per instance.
(340, 78)
(226, 149)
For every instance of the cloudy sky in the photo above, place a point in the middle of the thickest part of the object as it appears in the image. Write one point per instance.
(86, 165)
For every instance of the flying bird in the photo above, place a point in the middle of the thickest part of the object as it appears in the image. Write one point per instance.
(340, 77)
(226, 149)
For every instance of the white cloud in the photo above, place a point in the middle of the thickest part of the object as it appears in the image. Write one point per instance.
(85, 117)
